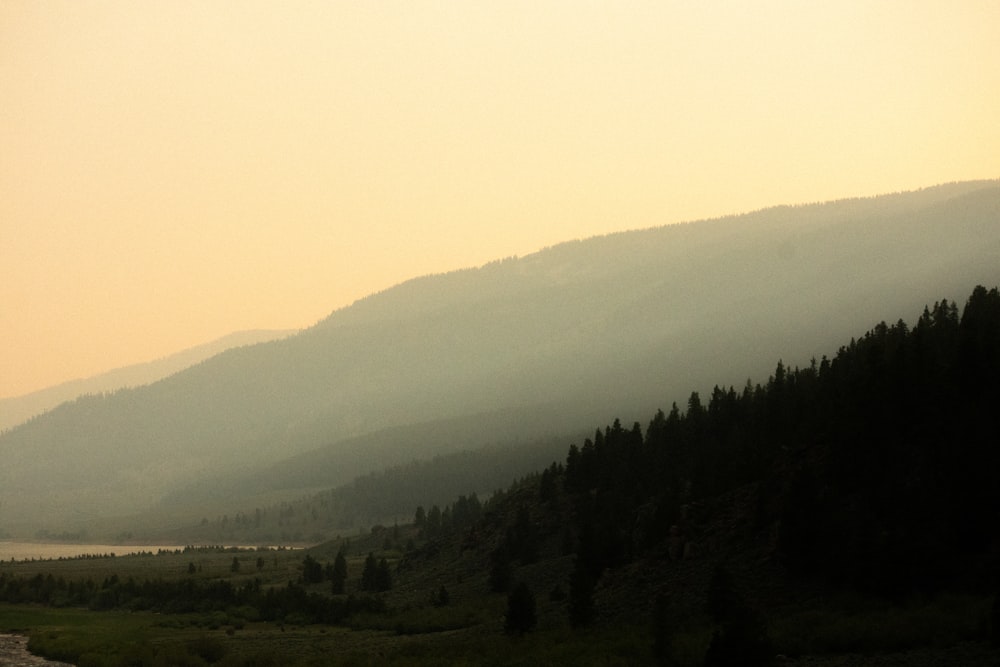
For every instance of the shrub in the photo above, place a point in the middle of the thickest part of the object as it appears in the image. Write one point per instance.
(207, 648)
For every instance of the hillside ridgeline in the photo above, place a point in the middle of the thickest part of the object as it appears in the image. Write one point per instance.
(604, 326)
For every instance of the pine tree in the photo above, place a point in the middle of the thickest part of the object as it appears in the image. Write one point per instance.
(500, 569)
(339, 575)
(312, 571)
(369, 576)
(740, 639)
(581, 595)
(520, 610)
(523, 538)
(383, 576)
(547, 486)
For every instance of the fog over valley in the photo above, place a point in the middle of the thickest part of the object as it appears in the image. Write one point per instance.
(518, 351)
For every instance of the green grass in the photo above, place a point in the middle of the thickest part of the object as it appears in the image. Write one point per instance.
(686, 647)
(111, 639)
(461, 635)
(425, 620)
(860, 626)
(413, 631)
(78, 636)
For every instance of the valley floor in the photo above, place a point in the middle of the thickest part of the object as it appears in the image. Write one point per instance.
(968, 654)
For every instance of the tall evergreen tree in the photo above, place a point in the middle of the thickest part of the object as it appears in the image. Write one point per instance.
(312, 570)
(383, 576)
(581, 595)
(339, 575)
(369, 575)
(520, 610)
(501, 569)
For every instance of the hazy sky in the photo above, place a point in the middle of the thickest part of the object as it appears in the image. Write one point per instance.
(174, 171)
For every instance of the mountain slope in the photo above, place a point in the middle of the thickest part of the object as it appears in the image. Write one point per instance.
(17, 409)
(620, 324)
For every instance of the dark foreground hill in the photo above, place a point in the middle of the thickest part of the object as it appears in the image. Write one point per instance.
(850, 505)
(874, 469)
(612, 325)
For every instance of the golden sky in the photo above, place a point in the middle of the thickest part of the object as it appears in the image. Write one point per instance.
(171, 172)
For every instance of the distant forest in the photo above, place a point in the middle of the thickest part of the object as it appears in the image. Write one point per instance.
(381, 497)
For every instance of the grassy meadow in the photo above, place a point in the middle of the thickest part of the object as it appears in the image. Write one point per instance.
(413, 627)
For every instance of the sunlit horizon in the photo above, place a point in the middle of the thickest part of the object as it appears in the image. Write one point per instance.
(170, 174)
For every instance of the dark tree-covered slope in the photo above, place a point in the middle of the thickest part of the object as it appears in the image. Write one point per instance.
(874, 469)
(869, 474)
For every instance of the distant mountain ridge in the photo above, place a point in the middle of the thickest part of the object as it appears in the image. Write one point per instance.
(17, 409)
(617, 325)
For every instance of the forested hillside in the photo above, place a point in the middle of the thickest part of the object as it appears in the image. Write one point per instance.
(384, 497)
(17, 409)
(874, 469)
(842, 512)
(610, 325)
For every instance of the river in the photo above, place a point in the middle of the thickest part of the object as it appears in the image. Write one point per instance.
(14, 653)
